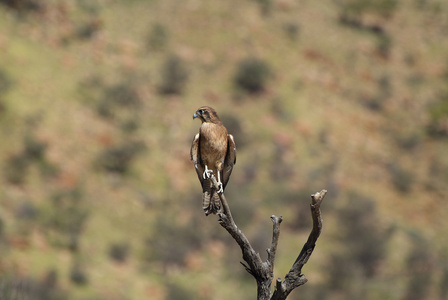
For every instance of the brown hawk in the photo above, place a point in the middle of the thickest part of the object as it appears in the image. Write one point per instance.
(213, 149)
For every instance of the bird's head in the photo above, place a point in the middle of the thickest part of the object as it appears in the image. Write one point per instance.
(206, 114)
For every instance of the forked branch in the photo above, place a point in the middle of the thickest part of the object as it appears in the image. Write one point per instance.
(263, 271)
(295, 278)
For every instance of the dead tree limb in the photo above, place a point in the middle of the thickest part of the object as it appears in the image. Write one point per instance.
(263, 271)
(295, 278)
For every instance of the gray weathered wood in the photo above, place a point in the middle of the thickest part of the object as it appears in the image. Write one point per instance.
(263, 271)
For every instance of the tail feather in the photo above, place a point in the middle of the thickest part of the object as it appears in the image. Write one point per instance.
(210, 201)
(206, 202)
(215, 205)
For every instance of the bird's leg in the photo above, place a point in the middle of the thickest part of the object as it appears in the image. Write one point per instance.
(207, 173)
(221, 189)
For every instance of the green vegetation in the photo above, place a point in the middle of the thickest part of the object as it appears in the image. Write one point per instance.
(174, 76)
(252, 75)
(157, 37)
(438, 125)
(383, 8)
(99, 200)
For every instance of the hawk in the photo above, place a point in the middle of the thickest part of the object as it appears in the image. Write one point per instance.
(212, 150)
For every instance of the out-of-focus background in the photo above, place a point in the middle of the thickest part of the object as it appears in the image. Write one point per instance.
(98, 197)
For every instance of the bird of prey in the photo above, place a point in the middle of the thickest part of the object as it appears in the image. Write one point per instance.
(213, 149)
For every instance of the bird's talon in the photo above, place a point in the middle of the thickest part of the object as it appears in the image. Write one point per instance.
(221, 189)
(207, 174)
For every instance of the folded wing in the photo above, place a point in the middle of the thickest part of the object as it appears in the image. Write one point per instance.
(195, 156)
(229, 161)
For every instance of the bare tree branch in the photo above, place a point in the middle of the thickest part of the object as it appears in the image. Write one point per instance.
(255, 266)
(295, 278)
(263, 272)
(275, 235)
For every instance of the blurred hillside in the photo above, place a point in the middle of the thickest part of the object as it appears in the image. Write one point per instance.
(99, 199)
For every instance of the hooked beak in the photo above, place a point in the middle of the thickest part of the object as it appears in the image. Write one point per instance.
(196, 115)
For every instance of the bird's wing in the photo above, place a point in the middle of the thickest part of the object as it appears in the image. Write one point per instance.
(195, 156)
(230, 160)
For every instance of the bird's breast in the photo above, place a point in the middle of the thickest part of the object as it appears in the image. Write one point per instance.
(213, 141)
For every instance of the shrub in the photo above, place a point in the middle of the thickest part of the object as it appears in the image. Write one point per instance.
(243, 211)
(374, 103)
(234, 127)
(252, 75)
(359, 218)
(117, 97)
(408, 140)
(383, 8)
(420, 264)
(384, 45)
(112, 100)
(24, 6)
(33, 148)
(65, 218)
(23, 288)
(2, 227)
(27, 212)
(129, 126)
(157, 37)
(91, 88)
(5, 82)
(5, 85)
(401, 178)
(171, 242)
(33, 152)
(385, 85)
(77, 275)
(89, 28)
(265, 6)
(443, 293)
(292, 30)
(117, 159)
(16, 168)
(438, 112)
(177, 292)
(174, 76)
(119, 251)
(361, 253)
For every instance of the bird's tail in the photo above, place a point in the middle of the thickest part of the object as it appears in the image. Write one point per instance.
(210, 201)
